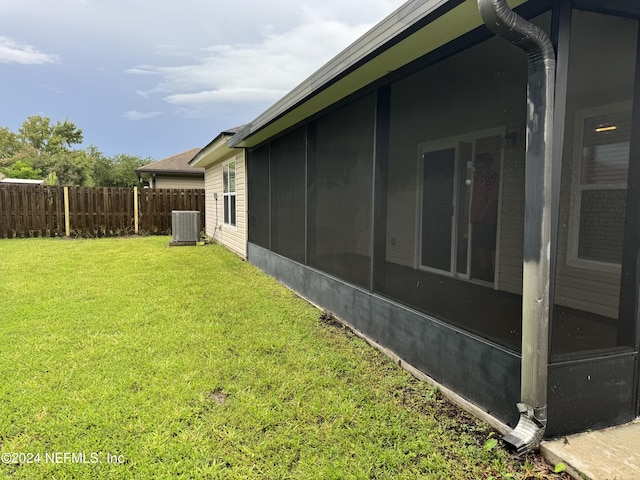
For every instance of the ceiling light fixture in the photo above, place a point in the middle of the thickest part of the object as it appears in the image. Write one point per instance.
(606, 128)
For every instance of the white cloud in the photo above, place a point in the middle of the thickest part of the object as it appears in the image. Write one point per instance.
(142, 70)
(12, 51)
(135, 115)
(224, 95)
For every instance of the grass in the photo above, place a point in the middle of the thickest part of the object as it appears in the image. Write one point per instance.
(158, 362)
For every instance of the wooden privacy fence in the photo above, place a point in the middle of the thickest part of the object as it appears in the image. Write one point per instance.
(49, 211)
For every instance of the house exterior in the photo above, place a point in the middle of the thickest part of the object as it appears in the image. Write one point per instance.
(173, 172)
(399, 188)
(225, 192)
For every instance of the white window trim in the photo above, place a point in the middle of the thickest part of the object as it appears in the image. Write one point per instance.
(577, 188)
(226, 195)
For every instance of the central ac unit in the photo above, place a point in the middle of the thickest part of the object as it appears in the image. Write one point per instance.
(185, 227)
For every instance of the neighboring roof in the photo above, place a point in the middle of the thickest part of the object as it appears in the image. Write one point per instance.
(177, 164)
(216, 149)
(22, 180)
(415, 29)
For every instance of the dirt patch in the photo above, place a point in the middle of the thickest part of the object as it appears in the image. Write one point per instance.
(218, 396)
(328, 319)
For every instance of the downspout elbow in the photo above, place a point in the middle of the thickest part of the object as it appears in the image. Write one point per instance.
(506, 23)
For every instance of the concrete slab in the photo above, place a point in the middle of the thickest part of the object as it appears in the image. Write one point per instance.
(609, 454)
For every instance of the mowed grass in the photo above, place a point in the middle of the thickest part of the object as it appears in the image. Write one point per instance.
(145, 361)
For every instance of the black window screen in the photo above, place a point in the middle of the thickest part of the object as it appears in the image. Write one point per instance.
(288, 195)
(258, 207)
(339, 191)
(455, 191)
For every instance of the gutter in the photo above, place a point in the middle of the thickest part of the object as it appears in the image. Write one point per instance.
(535, 43)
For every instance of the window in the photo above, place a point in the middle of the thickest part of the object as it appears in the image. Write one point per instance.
(599, 187)
(229, 195)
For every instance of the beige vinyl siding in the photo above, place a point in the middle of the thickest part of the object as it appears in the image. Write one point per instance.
(511, 234)
(232, 237)
(211, 184)
(174, 181)
(402, 220)
(584, 288)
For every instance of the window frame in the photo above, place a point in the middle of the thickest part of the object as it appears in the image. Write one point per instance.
(577, 187)
(229, 197)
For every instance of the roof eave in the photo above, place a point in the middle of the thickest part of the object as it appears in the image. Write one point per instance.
(213, 152)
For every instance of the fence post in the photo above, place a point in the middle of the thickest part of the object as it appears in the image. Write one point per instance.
(67, 231)
(135, 209)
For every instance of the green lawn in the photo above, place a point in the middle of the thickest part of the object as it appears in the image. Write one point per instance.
(158, 362)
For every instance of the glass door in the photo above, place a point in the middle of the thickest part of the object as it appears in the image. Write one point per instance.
(438, 172)
(459, 208)
(483, 211)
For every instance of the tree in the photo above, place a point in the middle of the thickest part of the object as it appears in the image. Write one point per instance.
(102, 167)
(9, 143)
(42, 149)
(21, 165)
(38, 132)
(118, 171)
(21, 169)
(73, 168)
(66, 133)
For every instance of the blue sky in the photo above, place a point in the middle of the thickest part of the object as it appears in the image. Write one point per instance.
(156, 77)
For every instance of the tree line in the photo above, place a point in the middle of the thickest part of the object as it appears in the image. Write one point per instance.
(43, 150)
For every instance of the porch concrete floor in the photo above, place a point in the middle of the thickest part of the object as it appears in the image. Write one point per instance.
(609, 454)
